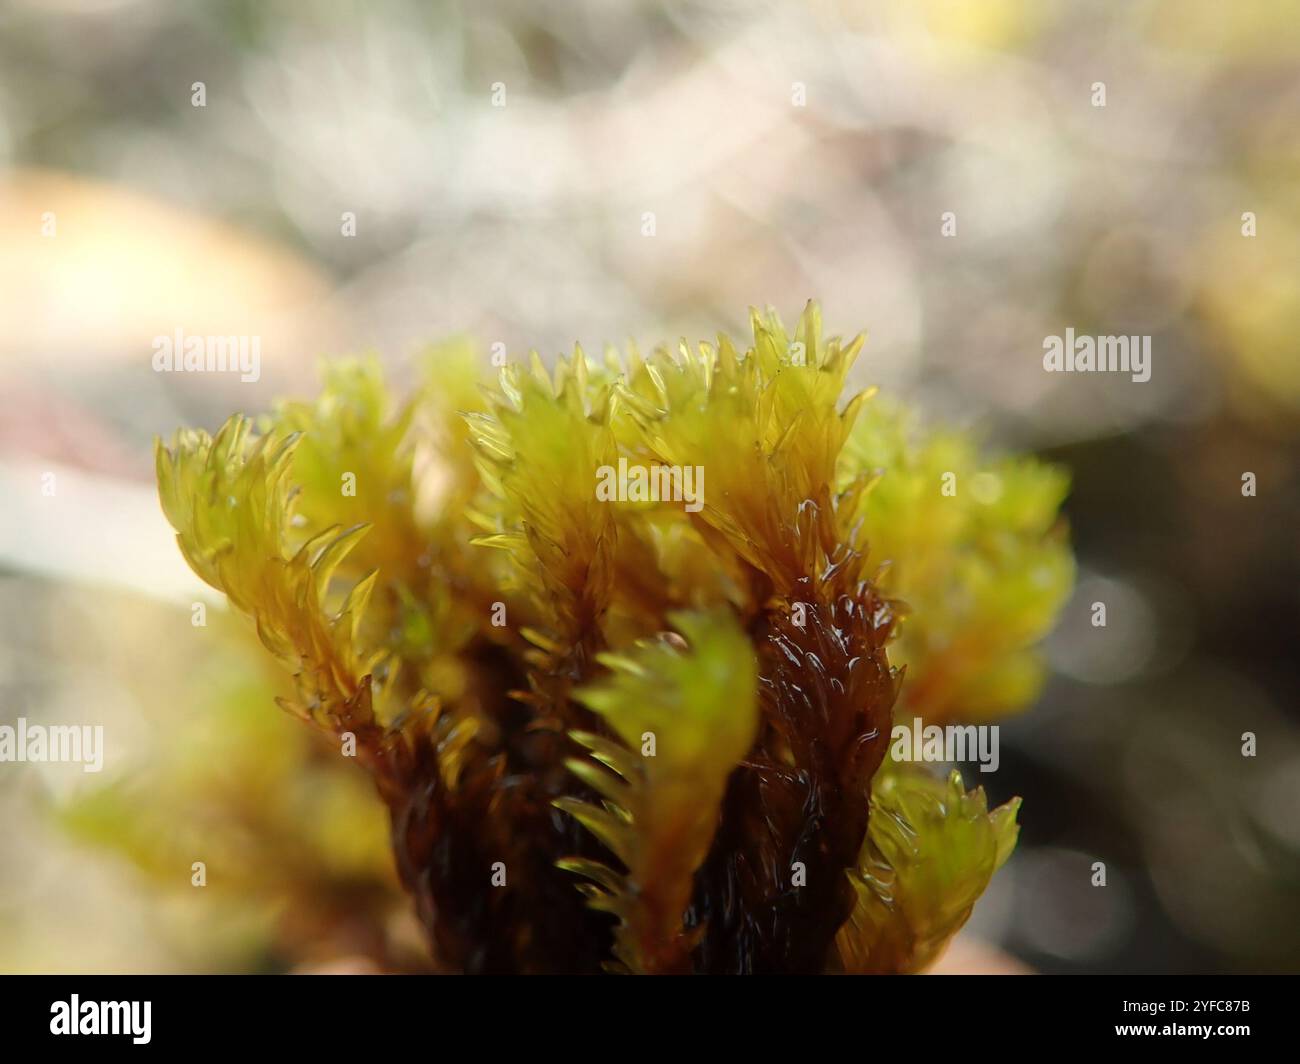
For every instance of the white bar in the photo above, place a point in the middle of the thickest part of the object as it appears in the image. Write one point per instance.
(93, 530)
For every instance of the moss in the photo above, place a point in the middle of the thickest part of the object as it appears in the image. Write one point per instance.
(636, 733)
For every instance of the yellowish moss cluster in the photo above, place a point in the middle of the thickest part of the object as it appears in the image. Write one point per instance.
(974, 548)
(633, 734)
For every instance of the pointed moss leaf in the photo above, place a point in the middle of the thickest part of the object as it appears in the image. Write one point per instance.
(698, 707)
(931, 849)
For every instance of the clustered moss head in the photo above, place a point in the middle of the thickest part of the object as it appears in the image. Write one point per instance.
(632, 733)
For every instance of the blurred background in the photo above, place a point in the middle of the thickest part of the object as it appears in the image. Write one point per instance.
(536, 173)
